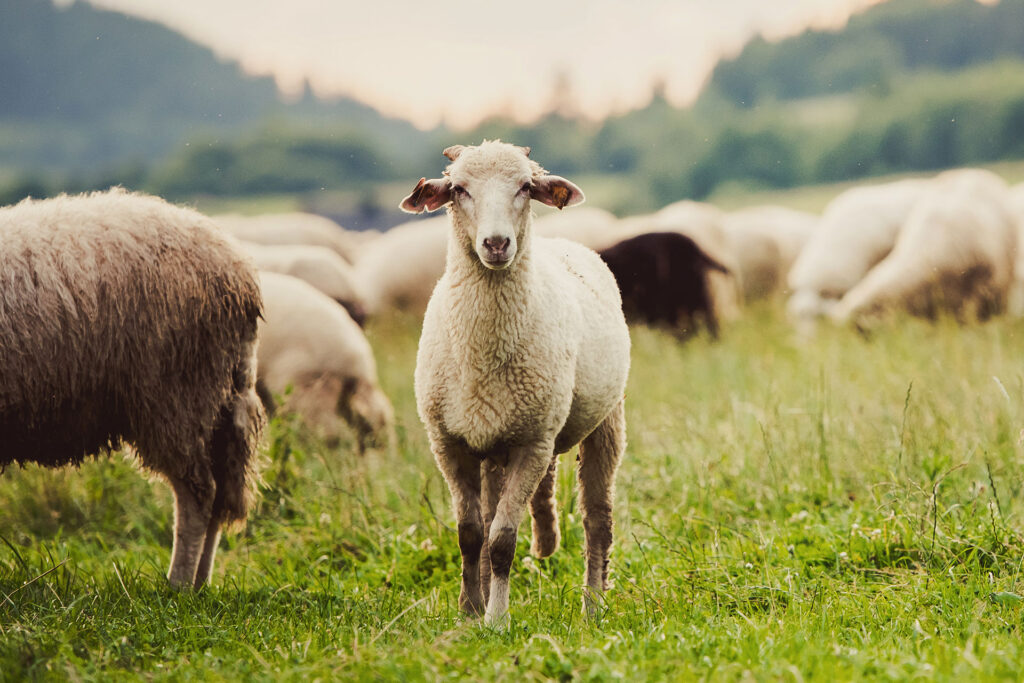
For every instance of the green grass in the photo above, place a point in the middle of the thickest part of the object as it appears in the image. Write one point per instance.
(828, 509)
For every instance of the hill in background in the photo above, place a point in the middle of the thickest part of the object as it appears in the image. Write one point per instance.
(908, 85)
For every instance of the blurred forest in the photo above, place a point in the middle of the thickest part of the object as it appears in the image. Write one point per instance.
(909, 85)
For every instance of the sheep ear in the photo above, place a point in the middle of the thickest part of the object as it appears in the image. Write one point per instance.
(556, 191)
(524, 150)
(428, 195)
(453, 152)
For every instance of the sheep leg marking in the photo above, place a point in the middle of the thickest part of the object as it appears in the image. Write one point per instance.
(599, 458)
(544, 511)
(462, 471)
(493, 479)
(527, 467)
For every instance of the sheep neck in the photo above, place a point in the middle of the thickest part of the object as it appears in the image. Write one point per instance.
(488, 308)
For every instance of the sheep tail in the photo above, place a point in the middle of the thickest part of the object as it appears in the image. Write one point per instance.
(235, 446)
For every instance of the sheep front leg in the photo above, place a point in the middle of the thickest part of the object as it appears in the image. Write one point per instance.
(493, 479)
(192, 512)
(599, 459)
(462, 472)
(527, 467)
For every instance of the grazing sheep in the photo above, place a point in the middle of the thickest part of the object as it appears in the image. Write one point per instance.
(124, 319)
(955, 253)
(400, 268)
(765, 241)
(663, 277)
(524, 354)
(320, 267)
(586, 225)
(1015, 305)
(297, 228)
(308, 342)
(857, 230)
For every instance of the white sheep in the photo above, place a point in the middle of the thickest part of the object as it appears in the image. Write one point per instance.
(399, 269)
(1015, 305)
(524, 354)
(955, 253)
(297, 228)
(857, 230)
(321, 267)
(310, 344)
(124, 319)
(765, 241)
(586, 225)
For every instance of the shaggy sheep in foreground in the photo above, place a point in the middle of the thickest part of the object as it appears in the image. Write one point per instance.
(311, 344)
(124, 319)
(524, 354)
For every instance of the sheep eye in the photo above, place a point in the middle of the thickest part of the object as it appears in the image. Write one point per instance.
(525, 189)
(460, 191)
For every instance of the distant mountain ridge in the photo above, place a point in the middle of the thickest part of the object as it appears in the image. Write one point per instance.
(84, 86)
(884, 41)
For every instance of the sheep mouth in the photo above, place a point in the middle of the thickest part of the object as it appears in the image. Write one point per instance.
(496, 262)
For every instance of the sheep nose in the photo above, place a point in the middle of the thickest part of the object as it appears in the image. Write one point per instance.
(495, 245)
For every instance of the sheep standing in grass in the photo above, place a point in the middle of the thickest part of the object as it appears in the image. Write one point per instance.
(126, 319)
(857, 230)
(956, 253)
(524, 354)
(310, 343)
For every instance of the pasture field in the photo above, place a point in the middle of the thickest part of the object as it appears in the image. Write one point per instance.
(835, 508)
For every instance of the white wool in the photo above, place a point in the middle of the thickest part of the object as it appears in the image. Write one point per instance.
(321, 267)
(523, 355)
(1016, 303)
(310, 344)
(857, 230)
(297, 228)
(586, 225)
(765, 241)
(399, 269)
(956, 252)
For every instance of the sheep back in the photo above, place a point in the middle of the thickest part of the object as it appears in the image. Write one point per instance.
(122, 319)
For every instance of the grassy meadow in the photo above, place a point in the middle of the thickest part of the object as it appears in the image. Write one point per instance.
(828, 508)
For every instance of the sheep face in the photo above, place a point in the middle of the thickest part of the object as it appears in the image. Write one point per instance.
(488, 189)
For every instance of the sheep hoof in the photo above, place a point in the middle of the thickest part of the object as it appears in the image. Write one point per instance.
(498, 622)
(592, 602)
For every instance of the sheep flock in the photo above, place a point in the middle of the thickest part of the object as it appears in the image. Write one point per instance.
(128, 322)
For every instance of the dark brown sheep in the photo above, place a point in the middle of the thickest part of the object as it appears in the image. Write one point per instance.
(126, 320)
(663, 277)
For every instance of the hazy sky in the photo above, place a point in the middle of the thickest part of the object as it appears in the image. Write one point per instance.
(462, 59)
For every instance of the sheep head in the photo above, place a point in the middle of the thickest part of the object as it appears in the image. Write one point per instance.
(488, 189)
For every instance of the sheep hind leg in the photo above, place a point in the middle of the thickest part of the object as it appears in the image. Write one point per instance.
(527, 467)
(544, 512)
(231, 451)
(599, 459)
(193, 508)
